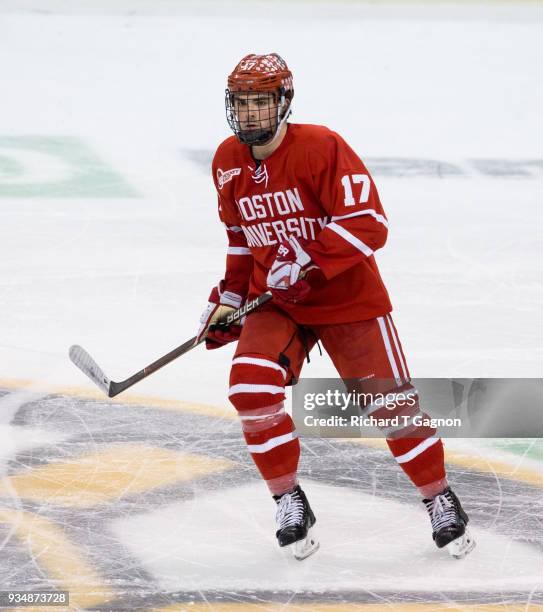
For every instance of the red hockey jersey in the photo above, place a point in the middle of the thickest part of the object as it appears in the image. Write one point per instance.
(313, 186)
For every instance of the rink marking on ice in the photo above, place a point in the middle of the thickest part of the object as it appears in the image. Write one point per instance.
(105, 406)
(416, 167)
(50, 548)
(109, 475)
(144, 401)
(479, 463)
(39, 166)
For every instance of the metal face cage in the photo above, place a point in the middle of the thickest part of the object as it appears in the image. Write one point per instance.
(254, 116)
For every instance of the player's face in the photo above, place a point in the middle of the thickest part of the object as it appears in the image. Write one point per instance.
(255, 110)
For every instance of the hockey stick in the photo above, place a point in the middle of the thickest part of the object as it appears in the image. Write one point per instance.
(88, 366)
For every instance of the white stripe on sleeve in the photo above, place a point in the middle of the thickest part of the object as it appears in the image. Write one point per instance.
(341, 231)
(369, 211)
(238, 251)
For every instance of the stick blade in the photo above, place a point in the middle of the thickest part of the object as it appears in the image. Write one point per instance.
(81, 359)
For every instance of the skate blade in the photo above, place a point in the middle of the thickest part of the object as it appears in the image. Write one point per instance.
(462, 546)
(306, 547)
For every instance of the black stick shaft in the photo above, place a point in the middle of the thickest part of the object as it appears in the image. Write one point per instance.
(117, 387)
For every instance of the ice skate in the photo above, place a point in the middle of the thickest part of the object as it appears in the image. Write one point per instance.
(295, 523)
(449, 523)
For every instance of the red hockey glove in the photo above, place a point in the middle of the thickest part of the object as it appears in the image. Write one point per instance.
(220, 304)
(293, 274)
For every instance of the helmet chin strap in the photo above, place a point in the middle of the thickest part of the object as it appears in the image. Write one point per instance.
(280, 122)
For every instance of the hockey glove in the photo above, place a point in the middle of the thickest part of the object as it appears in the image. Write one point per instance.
(221, 303)
(293, 274)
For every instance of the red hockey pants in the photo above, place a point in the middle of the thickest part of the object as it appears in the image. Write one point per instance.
(271, 352)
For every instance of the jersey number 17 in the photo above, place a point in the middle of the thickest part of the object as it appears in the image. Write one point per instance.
(355, 179)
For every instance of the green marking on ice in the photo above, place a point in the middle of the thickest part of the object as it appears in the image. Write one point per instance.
(9, 168)
(531, 448)
(56, 167)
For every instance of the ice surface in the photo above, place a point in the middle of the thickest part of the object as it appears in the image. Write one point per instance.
(110, 239)
(358, 533)
(138, 505)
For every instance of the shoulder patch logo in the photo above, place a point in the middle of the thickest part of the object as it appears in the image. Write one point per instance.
(224, 176)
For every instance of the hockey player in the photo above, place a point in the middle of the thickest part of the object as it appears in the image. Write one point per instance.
(303, 219)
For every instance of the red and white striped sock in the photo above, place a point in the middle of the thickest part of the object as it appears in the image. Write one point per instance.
(423, 461)
(257, 391)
